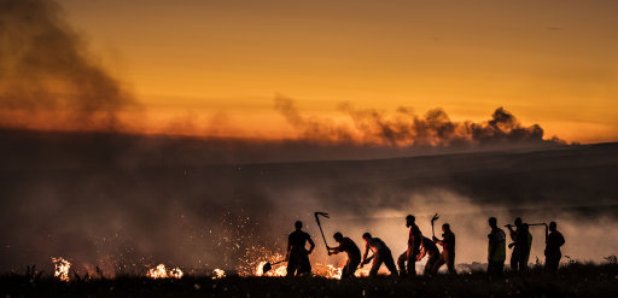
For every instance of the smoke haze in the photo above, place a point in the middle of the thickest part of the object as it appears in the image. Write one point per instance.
(97, 200)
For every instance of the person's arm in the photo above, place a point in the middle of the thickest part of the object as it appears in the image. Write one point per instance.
(311, 245)
(421, 254)
(335, 250)
(365, 254)
(438, 240)
(512, 232)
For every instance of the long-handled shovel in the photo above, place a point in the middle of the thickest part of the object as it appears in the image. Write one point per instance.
(317, 219)
(268, 266)
(433, 219)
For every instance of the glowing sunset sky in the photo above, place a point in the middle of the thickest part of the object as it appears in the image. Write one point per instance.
(549, 62)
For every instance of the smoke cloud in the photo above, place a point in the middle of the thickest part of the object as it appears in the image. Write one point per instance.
(405, 129)
(47, 77)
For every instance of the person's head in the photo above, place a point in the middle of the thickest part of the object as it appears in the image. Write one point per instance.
(446, 227)
(518, 221)
(367, 236)
(493, 222)
(553, 226)
(410, 219)
(298, 224)
(338, 237)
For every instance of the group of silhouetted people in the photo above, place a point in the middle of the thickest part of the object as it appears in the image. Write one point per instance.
(419, 247)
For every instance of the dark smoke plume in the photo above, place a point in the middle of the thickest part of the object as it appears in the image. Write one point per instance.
(47, 78)
(405, 129)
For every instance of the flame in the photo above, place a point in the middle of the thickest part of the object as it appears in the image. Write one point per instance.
(279, 270)
(61, 268)
(362, 272)
(333, 272)
(161, 272)
(218, 274)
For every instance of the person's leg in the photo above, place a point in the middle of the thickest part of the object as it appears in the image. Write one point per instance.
(515, 260)
(353, 265)
(375, 266)
(305, 266)
(552, 262)
(431, 263)
(437, 264)
(428, 265)
(412, 264)
(345, 271)
(390, 264)
(450, 264)
(557, 262)
(401, 263)
(491, 268)
(523, 265)
(292, 266)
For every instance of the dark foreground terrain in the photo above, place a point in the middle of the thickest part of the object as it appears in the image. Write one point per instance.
(574, 281)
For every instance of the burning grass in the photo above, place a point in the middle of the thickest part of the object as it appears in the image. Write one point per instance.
(575, 280)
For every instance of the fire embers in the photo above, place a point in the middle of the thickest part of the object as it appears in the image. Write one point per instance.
(61, 269)
(161, 272)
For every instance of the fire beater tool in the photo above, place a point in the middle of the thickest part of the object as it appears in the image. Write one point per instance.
(317, 219)
(268, 266)
(433, 219)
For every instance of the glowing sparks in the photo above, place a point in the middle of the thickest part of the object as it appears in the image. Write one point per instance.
(61, 269)
(161, 272)
(218, 274)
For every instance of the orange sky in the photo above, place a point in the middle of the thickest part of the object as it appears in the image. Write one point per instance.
(548, 62)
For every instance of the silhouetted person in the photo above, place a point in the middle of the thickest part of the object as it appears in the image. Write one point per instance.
(496, 252)
(349, 247)
(552, 249)
(519, 245)
(381, 254)
(407, 260)
(448, 249)
(298, 255)
(430, 249)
